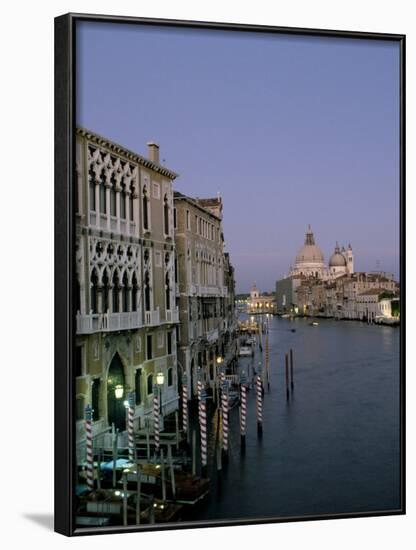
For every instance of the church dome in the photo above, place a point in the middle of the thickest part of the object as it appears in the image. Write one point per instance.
(310, 253)
(337, 259)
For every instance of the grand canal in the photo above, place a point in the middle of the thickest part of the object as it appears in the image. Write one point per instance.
(334, 446)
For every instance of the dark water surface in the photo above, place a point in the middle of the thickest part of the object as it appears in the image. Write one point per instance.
(334, 447)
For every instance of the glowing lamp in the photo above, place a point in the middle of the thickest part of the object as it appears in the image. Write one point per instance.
(119, 391)
(160, 378)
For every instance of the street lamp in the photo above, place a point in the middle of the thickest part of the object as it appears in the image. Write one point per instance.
(119, 391)
(219, 360)
(160, 380)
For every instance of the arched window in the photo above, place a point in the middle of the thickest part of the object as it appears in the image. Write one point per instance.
(167, 290)
(103, 194)
(138, 386)
(170, 376)
(166, 214)
(94, 291)
(131, 202)
(116, 289)
(91, 179)
(147, 291)
(123, 201)
(113, 207)
(145, 209)
(150, 384)
(105, 289)
(134, 293)
(125, 292)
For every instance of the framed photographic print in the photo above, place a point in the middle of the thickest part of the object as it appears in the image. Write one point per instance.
(229, 322)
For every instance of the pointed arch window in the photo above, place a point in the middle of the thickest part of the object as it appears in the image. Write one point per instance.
(166, 214)
(123, 201)
(113, 207)
(167, 290)
(105, 290)
(103, 194)
(138, 386)
(134, 293)
(145, 209)
(91, 178)
(125, 292)
(94, 291)
(147, 291)
(116, 286)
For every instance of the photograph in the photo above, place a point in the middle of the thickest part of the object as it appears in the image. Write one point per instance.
(237, 275)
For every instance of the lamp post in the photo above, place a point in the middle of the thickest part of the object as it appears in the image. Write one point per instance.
(160, 380)
(119, 391)
(221, 372)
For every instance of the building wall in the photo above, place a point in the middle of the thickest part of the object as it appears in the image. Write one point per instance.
(206, 290)
(120, 262)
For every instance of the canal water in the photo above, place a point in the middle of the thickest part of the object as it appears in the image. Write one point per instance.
(334, 446)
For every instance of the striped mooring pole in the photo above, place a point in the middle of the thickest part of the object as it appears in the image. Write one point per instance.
(203, 428)
(199, 384)
(130, 424)
(156, 417)
(224, 408)
(185, 404)
(89, 447)
(259, 403)
(243, 407)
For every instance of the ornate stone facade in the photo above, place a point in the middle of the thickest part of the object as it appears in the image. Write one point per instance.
(126, 315)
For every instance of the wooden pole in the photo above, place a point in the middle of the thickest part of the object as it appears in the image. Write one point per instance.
(287, 375)
(124, 499)
(99, 468)
(172, 471)
(147, 439)
(292, 385)
(152, 509)
(139, 490)
(193, 452)
(115, 451)
(162, 467)
(177, 430)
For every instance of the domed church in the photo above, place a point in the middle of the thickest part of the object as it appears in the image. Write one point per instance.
(310, 261)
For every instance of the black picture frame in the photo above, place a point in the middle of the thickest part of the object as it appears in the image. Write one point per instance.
(65, 85)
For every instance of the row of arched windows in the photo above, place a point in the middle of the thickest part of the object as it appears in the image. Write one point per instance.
(116, 296)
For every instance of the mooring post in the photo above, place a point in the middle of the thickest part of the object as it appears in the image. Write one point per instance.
(162, 469)
(287, 374)
(172, 471)
(124, 498)
(139, 490)
(193, 452)
(292, 384)
(115, 452)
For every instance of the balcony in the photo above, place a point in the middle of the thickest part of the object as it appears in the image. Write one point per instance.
(152, 318)
(211, 290)
(108, 322)
(172, 315)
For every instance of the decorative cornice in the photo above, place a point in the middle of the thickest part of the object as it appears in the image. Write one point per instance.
(119, 149)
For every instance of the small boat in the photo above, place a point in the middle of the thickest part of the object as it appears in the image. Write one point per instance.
(314, 324)
(292, 330)
(245, 351)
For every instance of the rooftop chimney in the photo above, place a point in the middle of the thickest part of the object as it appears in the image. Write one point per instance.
(153, 151)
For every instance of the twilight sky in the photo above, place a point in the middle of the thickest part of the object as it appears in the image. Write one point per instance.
(290, 130)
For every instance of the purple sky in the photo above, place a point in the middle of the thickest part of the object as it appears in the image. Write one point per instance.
(290, 130)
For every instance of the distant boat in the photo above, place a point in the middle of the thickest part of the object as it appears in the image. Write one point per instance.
(292, 330)
(314, 324)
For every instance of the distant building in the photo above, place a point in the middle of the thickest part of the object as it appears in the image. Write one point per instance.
(257, 303)
(310, 262)
(312, 288)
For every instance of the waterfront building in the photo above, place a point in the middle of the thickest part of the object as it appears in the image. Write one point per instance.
(286, 296)
(259, 303)
(126, 314)
(206, 290)
(375, 305)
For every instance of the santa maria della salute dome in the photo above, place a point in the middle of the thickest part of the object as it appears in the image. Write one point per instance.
(310, 260)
